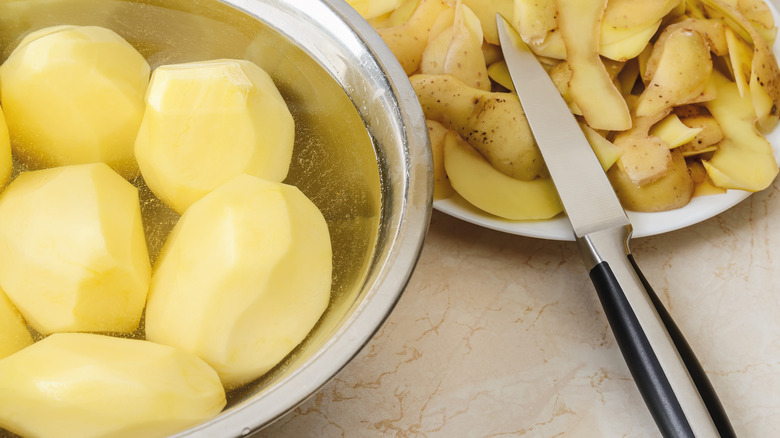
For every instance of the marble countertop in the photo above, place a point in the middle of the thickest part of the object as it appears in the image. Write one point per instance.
(500, 335)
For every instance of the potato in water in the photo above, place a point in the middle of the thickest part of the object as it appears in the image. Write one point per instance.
(80, 385)
(74, 95)
(243, 278)
(73, 254)
(207, 122)
(6, 160)
(14, 334)
(241, 281)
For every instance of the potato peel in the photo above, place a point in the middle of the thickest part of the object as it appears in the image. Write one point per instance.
(457, 50)
(407, 41)
(683, 69)
(606, 58)
(744, 160)
(590, 86)
(765, 73)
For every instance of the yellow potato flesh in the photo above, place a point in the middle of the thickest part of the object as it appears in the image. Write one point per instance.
(74, 95)
(374, 8)
(492, 53)
(208, 122)
(764, 72)
(397, 17)
(707, 188)
(491, 191)
(744, 159)
(628, 76)
(441, 183)
(73, 254)
(14, 334)
(591, 87)
(6, 161)
(499, 72)
(672, 131)
(486, 10)
(79, 385)
(623, 44)
(605, 150)
(709, 134)
(628, 25)
(552, 47)
(243, 277)
(741, 58)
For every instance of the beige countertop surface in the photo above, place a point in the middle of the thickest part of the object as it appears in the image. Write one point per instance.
(499, 335)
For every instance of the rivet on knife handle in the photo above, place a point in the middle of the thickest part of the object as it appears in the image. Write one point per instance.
(681, 405)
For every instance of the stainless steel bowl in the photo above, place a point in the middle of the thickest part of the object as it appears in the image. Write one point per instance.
(362, 155)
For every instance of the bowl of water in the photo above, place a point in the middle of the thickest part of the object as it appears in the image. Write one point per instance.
(361, 154)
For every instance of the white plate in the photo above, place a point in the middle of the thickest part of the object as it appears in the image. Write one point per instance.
(644, 224)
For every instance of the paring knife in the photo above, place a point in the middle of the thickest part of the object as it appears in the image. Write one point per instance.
(669, 377)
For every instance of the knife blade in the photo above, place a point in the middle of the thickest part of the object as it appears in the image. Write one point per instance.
(667, 373)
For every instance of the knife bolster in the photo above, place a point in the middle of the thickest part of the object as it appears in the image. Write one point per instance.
(603, 245)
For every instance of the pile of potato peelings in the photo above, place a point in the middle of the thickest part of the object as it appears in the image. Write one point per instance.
(674, 96)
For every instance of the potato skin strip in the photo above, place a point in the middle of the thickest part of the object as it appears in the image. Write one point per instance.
(590, 86)
(765, 73)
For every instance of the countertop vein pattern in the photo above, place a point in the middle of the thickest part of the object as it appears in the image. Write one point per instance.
(503, 336)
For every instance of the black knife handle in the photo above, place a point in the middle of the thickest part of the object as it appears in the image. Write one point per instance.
(639, 355)
(710, 397)
(665, 369)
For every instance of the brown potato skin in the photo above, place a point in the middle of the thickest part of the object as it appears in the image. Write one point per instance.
(710, 132)
(673, 190)
(493, 123)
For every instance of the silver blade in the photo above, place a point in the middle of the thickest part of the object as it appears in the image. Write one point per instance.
(585, 192)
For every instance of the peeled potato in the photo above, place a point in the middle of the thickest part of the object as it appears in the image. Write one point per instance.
(207, 122)
(73, 254)
(14, 334)
(243, 278)
(74, 95)
(79, 385)
(6, 162)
